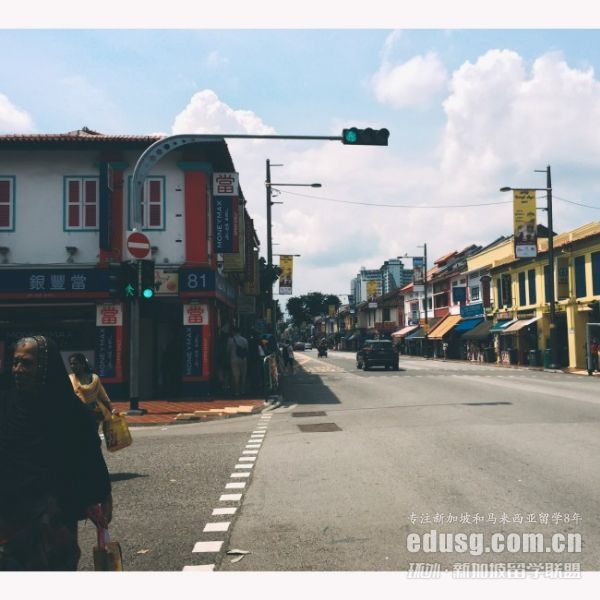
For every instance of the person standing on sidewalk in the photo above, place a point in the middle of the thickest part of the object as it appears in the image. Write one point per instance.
(237, 350)
(52, 471)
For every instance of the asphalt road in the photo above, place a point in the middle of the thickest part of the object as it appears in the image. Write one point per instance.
(445, 447)
(357, 470)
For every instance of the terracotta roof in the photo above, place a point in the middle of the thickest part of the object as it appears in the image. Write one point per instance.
(79, 135)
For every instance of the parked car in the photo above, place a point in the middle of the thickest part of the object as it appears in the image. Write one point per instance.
(377, 353)
(298, 346)
(307, 346)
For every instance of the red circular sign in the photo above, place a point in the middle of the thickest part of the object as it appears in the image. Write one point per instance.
(138, 244)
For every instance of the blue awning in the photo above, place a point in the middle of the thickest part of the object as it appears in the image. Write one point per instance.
(500, 325)
(467, 324)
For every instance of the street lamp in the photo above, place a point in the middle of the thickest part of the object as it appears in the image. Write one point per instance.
(269, 186)
(551, 299)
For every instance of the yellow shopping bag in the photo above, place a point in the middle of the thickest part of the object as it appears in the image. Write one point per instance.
(116, 433)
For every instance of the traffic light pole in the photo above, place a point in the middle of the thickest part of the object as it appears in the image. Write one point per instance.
(134, 350)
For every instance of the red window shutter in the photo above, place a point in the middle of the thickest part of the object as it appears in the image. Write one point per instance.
(73, 204)
(4, 203)
(91, 203)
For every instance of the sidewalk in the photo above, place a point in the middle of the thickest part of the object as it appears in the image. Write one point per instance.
(189, 410)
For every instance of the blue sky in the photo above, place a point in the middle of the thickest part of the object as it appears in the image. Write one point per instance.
(471, 107)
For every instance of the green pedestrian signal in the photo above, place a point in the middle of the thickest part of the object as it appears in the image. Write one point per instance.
(129, 281)
(365, 137)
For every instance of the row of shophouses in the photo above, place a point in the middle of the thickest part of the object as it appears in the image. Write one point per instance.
(483, 304)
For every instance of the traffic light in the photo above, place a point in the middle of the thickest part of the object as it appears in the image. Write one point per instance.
(148, 279)
(115, 278)
(365, 137)
(129, 280)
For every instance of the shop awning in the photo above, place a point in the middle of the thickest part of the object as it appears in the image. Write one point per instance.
(518, 325)
(479, 332)
(467, 324)
(501, 325)
(420, 333)
(444, 327)
(404, 331)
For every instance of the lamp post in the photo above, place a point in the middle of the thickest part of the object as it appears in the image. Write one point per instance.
(551, 295)
(269, 187)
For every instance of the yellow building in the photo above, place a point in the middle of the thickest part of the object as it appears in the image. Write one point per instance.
(520, 289)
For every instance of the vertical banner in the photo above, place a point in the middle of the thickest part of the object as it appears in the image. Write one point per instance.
(418, 278)
(286, 264)
(195, 349)
(225, 212)
(109, 342)
(371, 289)
(525, 223)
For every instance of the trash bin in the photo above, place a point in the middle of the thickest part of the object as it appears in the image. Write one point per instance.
(489, 354)
(547, 358)
(534, 358)
(513, 356)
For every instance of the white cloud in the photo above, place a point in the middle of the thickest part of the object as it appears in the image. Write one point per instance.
(215, 60)
(505, 118)
(205, 113)
(412, 84)
(14, 119)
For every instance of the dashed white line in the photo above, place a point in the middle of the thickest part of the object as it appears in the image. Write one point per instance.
(246, 474)
(230, 497)
(227, 510)
(222, 526)
(235, 485)
(207, 546)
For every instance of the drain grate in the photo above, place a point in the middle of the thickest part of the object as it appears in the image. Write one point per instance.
(319, 427)
(310, 413)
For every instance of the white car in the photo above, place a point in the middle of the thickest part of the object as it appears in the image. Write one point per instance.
(307, 346)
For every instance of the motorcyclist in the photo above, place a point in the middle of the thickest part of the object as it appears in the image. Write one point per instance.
(323, 347)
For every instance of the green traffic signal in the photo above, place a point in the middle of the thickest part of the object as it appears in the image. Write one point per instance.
(365, 137)
(147, 279)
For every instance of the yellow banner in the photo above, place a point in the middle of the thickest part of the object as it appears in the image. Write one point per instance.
(286, 264)
(372, 288)
(525, 223)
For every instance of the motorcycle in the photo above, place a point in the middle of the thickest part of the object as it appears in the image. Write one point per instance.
(322, 351)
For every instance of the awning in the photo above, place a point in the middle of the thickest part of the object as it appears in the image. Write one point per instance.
(467, 324)
(444, 327)
(405, 330)
(421, 332)
(501, 325)
(480, 332)
(518, 325)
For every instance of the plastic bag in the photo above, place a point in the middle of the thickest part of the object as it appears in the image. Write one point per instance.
(116, 433)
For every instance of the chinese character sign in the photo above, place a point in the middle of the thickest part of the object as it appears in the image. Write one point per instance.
(286, 264)
(109, 315)
(195, 314)
(225, 184)
(525, 225)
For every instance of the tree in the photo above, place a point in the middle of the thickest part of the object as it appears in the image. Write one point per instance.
(303, 309)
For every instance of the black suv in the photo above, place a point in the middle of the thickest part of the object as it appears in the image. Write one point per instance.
(377, 353)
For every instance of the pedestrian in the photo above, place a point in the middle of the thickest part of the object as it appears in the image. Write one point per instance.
(52, 471)
(288, 357)
(594, 354)
(88, 388)
(237, 351)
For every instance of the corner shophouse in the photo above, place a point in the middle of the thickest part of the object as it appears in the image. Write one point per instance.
(64, 217)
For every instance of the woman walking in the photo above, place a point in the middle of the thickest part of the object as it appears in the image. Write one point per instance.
(88, 387)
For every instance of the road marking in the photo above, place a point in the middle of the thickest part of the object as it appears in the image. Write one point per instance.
(247, 458)
(243, 466)
(252, 445)
(199, 568)
(235, 485)
(240, 474)
(207, 546)
(229, 497)
(228, 510)
(249, 451)
(222, 526)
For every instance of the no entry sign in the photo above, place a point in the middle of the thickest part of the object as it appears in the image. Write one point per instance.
(138, 244)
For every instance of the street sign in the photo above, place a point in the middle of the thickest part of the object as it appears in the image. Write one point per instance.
(138, 245)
